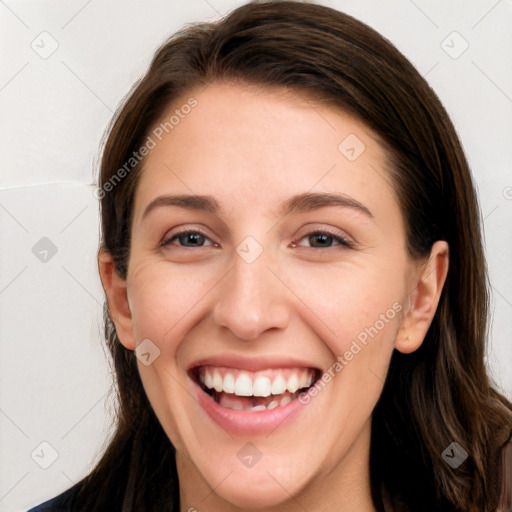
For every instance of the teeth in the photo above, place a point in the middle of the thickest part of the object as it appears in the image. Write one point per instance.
(258, 408)
(279, 385)
(285, 400)
(293, 384)
(262, 386)
(258, 384)
(243, 386)
(231, 402)
(217, 381)
(208, 380)
(305, 379)
(229, 383)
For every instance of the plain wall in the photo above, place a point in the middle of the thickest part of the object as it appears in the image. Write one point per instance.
(54, 378)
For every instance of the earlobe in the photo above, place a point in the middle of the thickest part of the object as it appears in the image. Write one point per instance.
(117, 298)
(423, 299)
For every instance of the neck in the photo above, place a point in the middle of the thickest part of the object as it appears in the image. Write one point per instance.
(343, 486)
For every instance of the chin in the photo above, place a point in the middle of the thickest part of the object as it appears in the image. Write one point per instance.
(254, 490)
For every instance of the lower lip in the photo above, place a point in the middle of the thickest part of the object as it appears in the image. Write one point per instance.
(247, 423)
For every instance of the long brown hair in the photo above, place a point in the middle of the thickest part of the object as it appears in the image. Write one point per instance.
(435, 396)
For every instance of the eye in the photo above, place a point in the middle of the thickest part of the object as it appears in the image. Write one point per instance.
(193, 237)
(325, 238)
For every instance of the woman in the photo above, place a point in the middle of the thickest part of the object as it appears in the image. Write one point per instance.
(295, 280)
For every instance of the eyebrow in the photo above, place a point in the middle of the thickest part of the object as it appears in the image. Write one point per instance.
(304, 202)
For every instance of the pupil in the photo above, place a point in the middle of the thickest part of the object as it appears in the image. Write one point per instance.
(322, 237)
(192, 238)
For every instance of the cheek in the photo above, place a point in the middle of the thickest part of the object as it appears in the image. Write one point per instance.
(357, 302)
(357, 309)
(164, 298)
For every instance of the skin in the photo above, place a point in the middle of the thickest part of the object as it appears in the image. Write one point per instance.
(252, 148)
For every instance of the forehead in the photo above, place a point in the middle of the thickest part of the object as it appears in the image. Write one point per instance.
(253, 147)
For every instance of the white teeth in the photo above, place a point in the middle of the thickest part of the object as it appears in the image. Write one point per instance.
(258, 408)
(217, 381)
(278, 386)
(243, 386)
(229, 383)
(208, 380)
(285, 400)
(293, 384)
(262, 386)
(227, 400)
(305, 380)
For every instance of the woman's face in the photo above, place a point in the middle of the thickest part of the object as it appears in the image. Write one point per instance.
(241, 304)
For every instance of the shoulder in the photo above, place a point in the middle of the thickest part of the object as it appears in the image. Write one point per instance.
(59, 503)
(48, 506)
(53, 505)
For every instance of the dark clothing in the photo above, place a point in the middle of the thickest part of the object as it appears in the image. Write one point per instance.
(58, 503)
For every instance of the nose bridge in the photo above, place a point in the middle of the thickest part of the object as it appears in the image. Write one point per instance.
(251, 299)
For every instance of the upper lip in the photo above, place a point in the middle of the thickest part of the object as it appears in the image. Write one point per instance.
(253, 363)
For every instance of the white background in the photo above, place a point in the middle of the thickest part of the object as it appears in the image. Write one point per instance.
(53, 373)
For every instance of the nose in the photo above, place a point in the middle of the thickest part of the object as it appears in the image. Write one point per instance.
(252, 299)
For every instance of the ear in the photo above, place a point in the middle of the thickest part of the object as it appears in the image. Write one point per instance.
(423, 299)
(117, 299)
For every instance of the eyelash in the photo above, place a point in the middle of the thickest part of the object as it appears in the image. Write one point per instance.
(343, 242)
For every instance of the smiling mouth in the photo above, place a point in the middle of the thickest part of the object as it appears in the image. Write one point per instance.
(245, 390)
